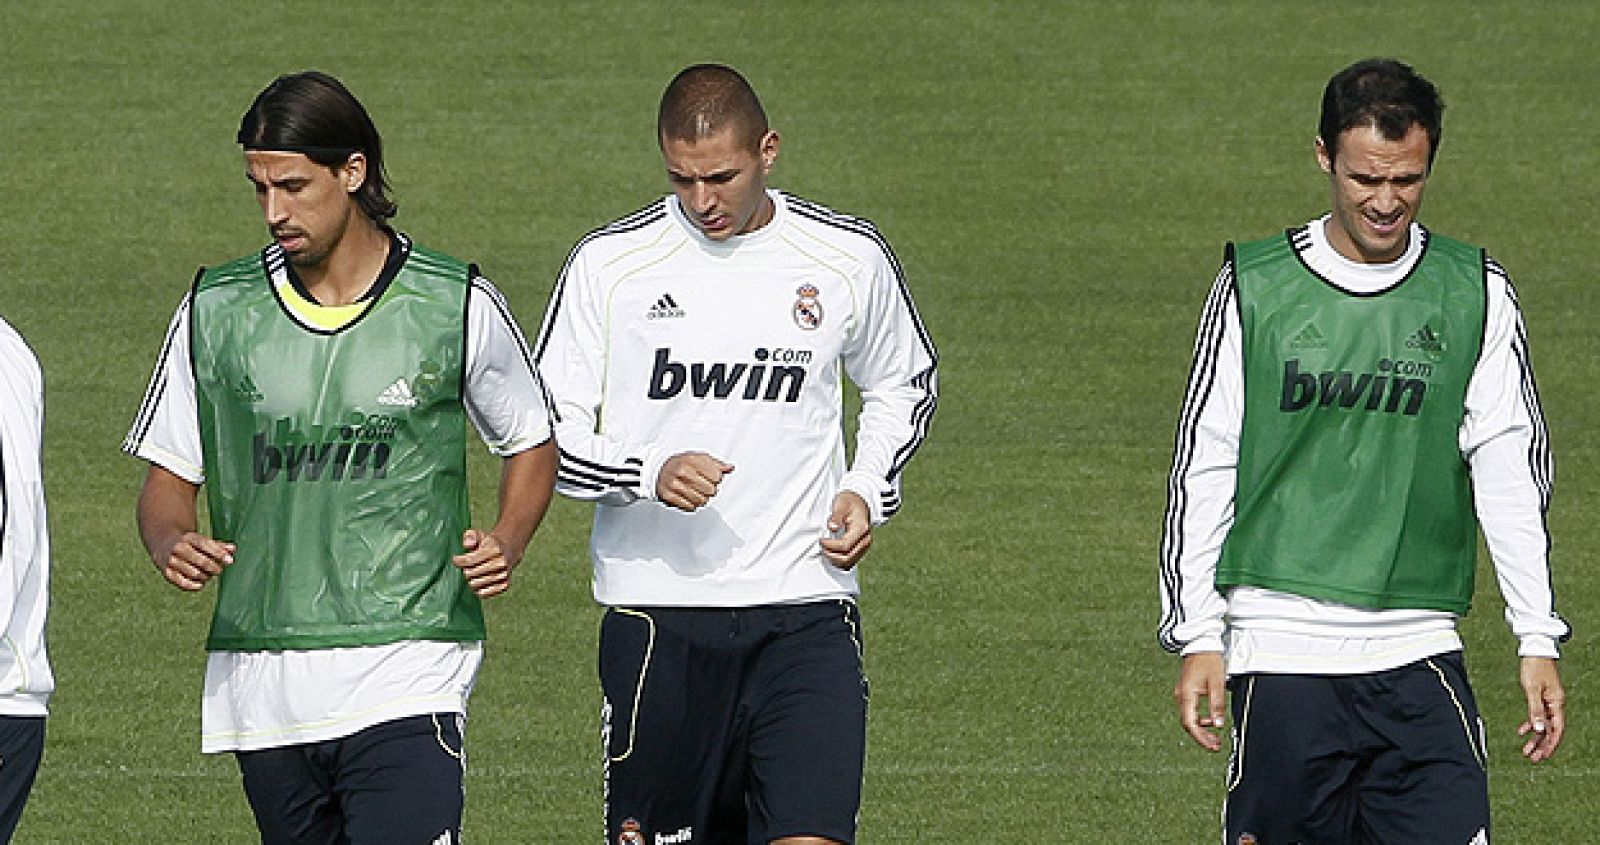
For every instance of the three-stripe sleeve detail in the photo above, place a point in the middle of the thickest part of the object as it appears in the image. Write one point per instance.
(1202, 375)
(574, 471)
(926, 380)
(158, 383)
(1539, 462)
(890, 501)
(637, 220)
(584, 474)
(493, 295)
(1541, 467)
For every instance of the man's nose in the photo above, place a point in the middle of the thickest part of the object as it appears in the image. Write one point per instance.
(702, 197)
(274, 207)
(1386, 199)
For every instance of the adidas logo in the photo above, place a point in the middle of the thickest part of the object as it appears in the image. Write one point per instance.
(444, 839)
(1427, 340)
(1308, 338)
(666, 308)
(398, 394)
(247, 391)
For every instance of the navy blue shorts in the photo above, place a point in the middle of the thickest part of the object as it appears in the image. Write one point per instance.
(21, 749)
(732, 725)
(1394, 756)
(397, 783)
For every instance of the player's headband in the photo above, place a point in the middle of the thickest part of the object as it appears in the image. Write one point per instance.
(309, 152)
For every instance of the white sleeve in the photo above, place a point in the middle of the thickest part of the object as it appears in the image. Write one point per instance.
(1200, 488)
(571, 360)
(503, 395)
(891, 359)
(22, 380)
(1504, 440)
(167, 430)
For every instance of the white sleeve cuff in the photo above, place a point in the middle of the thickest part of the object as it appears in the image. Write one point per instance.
(652, 459)
(1538, 645)
(170, 462)
(872, 490)
(1203, 644)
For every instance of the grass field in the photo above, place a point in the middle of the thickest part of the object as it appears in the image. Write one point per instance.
(1058, 180)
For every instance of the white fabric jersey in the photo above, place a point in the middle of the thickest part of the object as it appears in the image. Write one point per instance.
(1502, 437)
(269, 699)
(266, 699)
(659, 340)
(25, 678)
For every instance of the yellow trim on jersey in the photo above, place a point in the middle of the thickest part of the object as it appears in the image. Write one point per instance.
(327, 317)
(18, 661)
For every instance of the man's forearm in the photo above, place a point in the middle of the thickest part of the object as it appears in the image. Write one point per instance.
(527, 481)
(166, 510)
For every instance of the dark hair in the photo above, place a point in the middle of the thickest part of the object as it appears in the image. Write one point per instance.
(1383, 93)
(313, 114)
(704, 99)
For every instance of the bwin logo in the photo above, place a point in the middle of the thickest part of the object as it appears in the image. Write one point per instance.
(1346, 390)
(767, 382)
(323, 453)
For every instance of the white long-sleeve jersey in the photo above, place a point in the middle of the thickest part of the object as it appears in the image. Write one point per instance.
(25, 677)
(1502, 437)
(659, 341)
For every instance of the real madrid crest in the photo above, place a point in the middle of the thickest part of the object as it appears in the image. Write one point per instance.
(631, 834)
(808, 308)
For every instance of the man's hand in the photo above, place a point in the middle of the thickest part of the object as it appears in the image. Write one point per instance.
(183, 556)
(689, 480)
(1203, 679)
(1547, 717)
(486, 563)
(849, 531)
(193, 559)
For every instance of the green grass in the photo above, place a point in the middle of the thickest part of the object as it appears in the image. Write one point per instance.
(1058, 180)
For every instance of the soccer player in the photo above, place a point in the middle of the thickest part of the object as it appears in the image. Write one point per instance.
(695, 353)
(320, 390)
(25, 678)
(1361, 387)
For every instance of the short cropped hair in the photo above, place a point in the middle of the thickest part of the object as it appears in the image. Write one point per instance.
(705, 99)
(1382, 93)
(313, 114)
